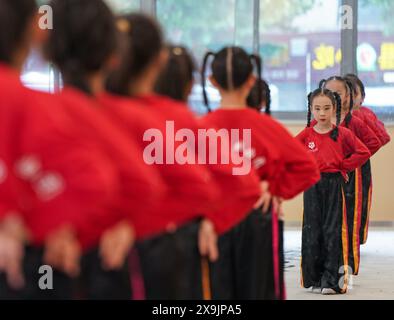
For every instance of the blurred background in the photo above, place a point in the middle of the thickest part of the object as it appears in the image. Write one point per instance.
(299, 40)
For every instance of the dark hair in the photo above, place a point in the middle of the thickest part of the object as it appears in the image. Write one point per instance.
(336, 101)
(144, 40)
(82, 40)
(356, 81)
(14, 19)
(349, 90)
(231, 68)
(354, 85)
(255, 99)
(177, 75)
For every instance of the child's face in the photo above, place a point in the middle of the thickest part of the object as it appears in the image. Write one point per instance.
(340, 88)
(323, 110)
(358, 99)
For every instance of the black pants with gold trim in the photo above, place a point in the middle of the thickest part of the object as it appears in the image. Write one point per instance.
(171, 265)
(354, 199)
(324, 235)
(366, 173)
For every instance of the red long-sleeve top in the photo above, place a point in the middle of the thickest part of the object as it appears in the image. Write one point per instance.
(363, 132)
(192, 191)
(372, 121)
(141, 187)
(53, 177)
(276, 155)
(344, 155)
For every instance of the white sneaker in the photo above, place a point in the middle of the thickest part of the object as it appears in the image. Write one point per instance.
(314, 290)
(328, 291)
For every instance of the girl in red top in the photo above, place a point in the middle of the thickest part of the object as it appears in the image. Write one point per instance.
(365, 113)
(169, 256)
(260, 99)
(338, 151)
(176, 81)
(354, 195)
(371, 120)
(82, 56)
(284, 168)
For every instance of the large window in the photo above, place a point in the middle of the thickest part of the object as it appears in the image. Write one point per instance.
(376, 54)
(207, 25)
(124, 6)
(299, 40)
(300, 45)
(37, 73)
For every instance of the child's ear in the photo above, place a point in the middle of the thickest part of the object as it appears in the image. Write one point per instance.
(250, 83)
(163, 57)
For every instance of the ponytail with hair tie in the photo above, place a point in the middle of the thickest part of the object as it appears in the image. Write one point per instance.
(258, 64)
(309, 116)
(335, 132)
(349, 116)
(204, 80)
(268, 102)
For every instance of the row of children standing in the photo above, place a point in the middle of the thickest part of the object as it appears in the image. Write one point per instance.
(337, 208)
(343, 137)
(76, 193)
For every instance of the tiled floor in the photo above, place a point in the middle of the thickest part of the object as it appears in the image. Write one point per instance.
(376, 277)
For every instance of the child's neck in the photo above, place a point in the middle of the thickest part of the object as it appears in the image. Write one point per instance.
(144, 84)
(323, 127)
(141, 87)
(96, 82)
(232, 101)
